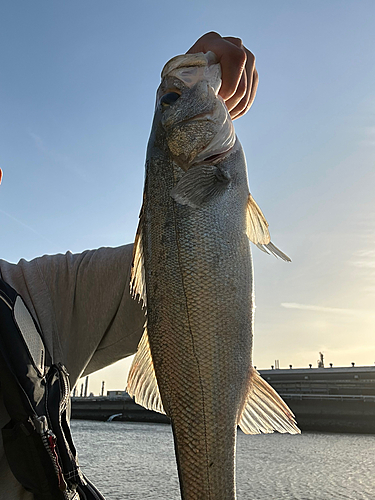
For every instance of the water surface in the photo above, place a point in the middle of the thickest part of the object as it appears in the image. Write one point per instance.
(136, 461)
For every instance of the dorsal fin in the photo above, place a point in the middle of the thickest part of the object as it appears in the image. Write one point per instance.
(137, 276)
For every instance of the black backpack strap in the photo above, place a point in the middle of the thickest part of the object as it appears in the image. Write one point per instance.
(37, 440)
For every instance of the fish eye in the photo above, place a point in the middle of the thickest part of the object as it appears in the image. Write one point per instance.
(169, 98)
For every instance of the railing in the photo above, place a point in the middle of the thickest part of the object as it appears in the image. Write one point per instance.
(325, 397)
(334, 387)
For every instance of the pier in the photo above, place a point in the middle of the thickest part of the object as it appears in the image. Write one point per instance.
(120, 407)
(328, 399)
(322, 399)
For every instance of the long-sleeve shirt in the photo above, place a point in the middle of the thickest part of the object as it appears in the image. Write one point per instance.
(88, 318)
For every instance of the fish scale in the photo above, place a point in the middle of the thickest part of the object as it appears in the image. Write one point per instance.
(192, 268)
(201, 376)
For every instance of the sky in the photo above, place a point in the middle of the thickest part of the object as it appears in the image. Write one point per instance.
(77, 88)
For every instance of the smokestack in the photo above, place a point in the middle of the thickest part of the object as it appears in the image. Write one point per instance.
(86, 385)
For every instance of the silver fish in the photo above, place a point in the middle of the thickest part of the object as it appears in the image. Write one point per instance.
(192, 269)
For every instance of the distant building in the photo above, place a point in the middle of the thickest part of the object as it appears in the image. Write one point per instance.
(117, 394)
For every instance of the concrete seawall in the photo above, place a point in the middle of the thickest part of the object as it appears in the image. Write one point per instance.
(102, 408)
(340, 414)
(322, 399)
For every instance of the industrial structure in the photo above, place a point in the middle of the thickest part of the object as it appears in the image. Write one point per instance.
(322, 399)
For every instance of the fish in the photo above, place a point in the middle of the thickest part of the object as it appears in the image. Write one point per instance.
(192, 271)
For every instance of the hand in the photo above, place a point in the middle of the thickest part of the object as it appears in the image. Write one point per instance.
(239, 75)
(1, 174)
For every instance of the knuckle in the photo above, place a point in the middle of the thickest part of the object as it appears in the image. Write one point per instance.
(235, 40)
(241, 57)
(211, 34)
(237, 49)
(241, 53)
(250, 57)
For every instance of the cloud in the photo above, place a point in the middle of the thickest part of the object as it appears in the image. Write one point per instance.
(368, 316)
(369, 136)
(364, 259)
(62, 160)
(38, 142)
(26, 226)
(306, 307)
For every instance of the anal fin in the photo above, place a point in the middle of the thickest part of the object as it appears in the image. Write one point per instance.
(142, 383)
(265, 411)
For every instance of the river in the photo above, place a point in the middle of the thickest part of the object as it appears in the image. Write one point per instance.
(135, 461)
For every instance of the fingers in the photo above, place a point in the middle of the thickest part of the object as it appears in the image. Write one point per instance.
(239, 96)
(233, 63)
(238, 105)
(1, 175)
(231, 56)
(239, 76)
(240, 112)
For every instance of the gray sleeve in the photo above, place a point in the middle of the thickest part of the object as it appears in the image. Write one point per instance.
(97, 320)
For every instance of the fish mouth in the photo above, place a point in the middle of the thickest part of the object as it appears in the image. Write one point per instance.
(199, 118)
(215, 158)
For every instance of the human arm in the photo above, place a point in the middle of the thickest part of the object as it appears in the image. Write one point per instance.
(83, 305)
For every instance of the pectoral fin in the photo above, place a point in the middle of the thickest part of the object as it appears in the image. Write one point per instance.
(142, 383)
(199, 185)
(257, 230)
(265, 411)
